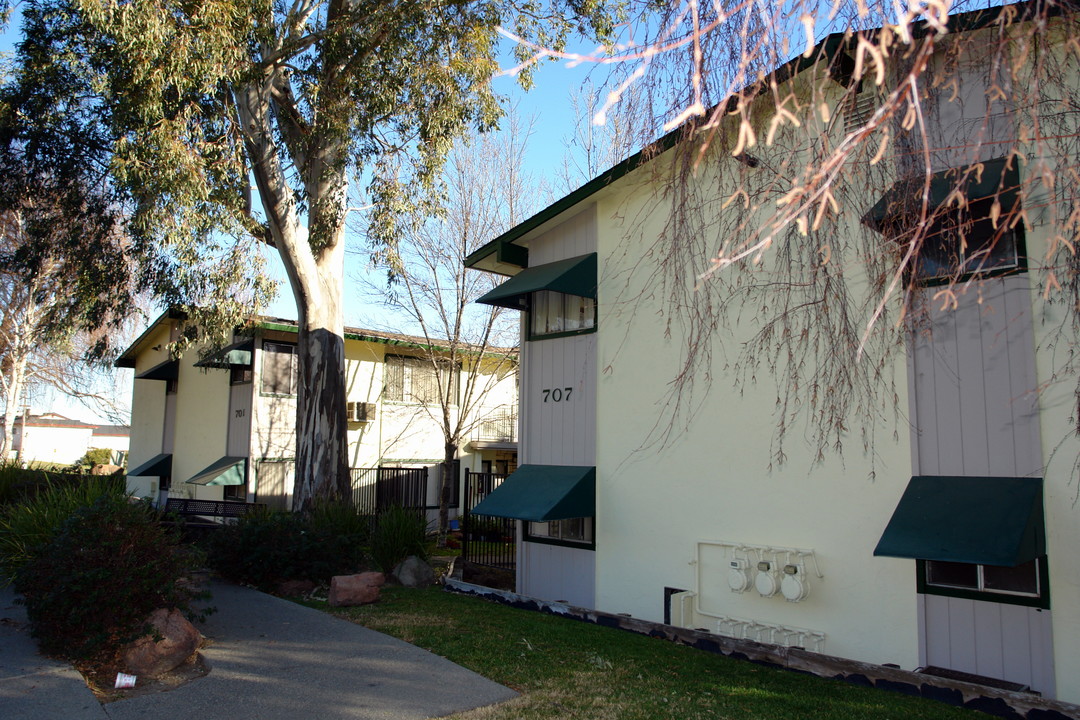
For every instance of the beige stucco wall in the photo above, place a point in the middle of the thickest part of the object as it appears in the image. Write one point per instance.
(202, 412)
(715, 481)
(147, 413)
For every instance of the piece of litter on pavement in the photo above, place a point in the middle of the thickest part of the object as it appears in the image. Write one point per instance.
(123, 680)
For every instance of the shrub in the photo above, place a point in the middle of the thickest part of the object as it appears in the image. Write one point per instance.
(90, 589)
(398, 534)
(265, 548)
(95, 456)
(31, 524)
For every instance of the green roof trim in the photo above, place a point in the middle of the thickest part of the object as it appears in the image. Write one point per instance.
(226, 471)
(995, 177)
(157, 466)
(573, 276)
(168, 370)
(983, 520)
(539, 493)
(239, 353)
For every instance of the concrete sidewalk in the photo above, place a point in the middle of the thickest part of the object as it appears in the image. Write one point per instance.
(269, 659)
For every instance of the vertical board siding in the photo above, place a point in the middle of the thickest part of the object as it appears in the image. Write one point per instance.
(238, 442)
(974, 393)
(168, 429)
(558, 573)
(1008, 642)
(976, 412)
(559, 433)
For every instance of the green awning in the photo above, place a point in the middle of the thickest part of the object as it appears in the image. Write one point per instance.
(236, 354)
(226, 471)
(168, 370)
(984, 520)
(573, 276)
(543, 492)
(995, 178)
(157, 466)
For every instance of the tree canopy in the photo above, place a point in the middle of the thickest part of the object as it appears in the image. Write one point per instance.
(219, 126)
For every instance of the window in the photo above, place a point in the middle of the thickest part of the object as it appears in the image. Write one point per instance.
(240, 374)
(554, 313)
(964, 242)
(573, 531)
(1022, 584)
(279, 369)
(417, 380)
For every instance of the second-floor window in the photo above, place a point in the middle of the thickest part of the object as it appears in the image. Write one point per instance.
(279, 369)
(554, 314)
(417, 380)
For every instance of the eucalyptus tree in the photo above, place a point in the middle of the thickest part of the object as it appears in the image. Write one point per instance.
(192, 104)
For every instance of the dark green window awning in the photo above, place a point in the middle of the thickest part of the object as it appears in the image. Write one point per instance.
(168, 370)
(226, 471)
(983, 520)
(573, 276)
(543, 492)
(995, 178)
(157, 466)
(236, 354)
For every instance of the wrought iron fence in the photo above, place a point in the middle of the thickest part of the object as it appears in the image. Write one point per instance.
(376, 489)
(486, 541)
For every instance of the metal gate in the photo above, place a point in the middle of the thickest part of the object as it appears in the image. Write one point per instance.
(488, 547)
(376, 489)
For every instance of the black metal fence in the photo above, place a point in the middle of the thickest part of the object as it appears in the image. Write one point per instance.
(376, 489)
(486, 541)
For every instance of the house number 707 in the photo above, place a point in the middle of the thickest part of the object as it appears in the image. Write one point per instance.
(557, 394)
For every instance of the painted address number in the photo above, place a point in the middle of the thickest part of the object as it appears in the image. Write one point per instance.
(557, 394)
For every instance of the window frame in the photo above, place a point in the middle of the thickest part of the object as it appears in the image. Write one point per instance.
(529, 534)
(1040, 600)
(532, 335)
(976, 221)
(425, 364)
(294, 370)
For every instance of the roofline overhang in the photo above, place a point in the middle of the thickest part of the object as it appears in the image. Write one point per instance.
(841, 68)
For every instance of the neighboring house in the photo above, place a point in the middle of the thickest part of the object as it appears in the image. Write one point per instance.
(224, 427)
(58, 440)
(951, 543)
(112, 437)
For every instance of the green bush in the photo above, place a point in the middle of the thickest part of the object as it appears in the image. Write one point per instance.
(95, 456)
(34, 522)
(90, 589)
(398, 534)
(265, 548)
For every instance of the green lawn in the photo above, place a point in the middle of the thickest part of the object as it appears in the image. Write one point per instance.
(569, 669)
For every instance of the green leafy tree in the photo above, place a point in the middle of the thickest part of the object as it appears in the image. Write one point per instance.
(186, 106)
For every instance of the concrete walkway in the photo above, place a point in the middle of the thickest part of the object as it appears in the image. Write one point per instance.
(270, 659)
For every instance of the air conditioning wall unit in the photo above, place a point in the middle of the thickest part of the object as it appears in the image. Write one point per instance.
(360, 412)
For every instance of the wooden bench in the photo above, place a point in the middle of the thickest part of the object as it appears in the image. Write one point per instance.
(185, 507)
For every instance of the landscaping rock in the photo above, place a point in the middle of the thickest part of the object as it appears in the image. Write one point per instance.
(361, 589)
(295, 588)
(179, 640)
(413, 572)
(105, 469)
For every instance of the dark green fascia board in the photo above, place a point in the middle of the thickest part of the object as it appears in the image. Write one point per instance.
(834, 48)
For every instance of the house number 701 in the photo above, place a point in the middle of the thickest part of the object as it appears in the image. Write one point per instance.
(557, 394)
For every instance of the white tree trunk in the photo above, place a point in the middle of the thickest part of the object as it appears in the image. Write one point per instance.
(315, 266)
(13, 389)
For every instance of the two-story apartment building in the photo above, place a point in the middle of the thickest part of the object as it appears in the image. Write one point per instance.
(224, 427)
(947, 540)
